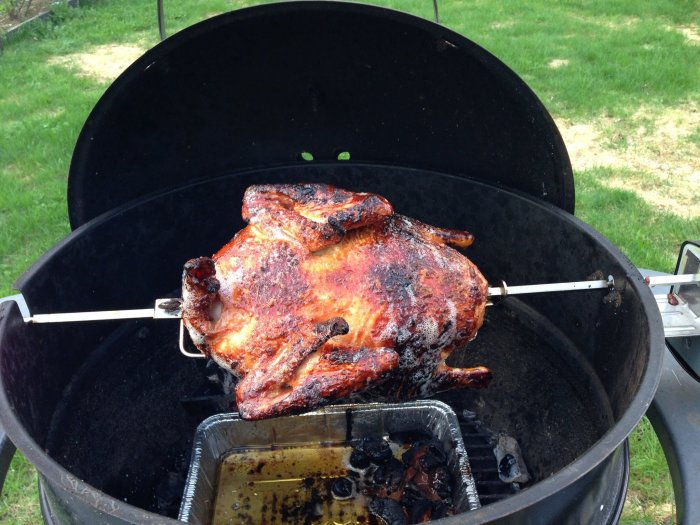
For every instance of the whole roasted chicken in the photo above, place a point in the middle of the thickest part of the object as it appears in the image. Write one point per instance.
(328, 294)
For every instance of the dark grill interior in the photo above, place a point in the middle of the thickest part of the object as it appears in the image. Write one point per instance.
(122, 403)
(127, 423)
(541, 394)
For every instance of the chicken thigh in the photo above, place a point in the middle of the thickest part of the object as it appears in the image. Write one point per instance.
(328, 294)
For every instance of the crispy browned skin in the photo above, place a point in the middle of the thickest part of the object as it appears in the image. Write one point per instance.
(327, 293)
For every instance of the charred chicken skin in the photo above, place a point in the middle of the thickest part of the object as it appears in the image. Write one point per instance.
(328, 294)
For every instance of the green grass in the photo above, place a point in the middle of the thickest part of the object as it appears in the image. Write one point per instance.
(621, 55)
(42, 109)
(650, 238)
(649, 495)
(19, 503)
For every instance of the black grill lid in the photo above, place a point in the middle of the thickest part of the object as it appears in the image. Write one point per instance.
(269, 85)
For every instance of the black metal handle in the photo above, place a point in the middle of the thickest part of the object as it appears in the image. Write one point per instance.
(161, 19)
(436, 14)
(7, 452)
(7, 447)
(675, 415)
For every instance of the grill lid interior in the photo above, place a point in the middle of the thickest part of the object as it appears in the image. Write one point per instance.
(279, 84)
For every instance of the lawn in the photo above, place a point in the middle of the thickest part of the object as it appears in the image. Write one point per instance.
(621, 78)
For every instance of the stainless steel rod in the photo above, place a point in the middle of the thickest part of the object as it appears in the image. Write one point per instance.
(105, 315)
(504, 289)
(171, 308)
(673, 279)
(660, 280)
(163, 309)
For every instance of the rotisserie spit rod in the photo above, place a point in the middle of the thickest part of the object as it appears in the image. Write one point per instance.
(171, 308)
(163, 309)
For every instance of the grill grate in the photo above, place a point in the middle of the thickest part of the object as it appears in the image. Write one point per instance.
(480, 450)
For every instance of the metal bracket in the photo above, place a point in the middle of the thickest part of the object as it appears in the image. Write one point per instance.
(181, 344)
(611, 283)
(168, 309)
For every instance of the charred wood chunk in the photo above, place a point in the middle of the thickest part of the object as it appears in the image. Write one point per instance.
(427, 478)
(425, 455)
(389, 475)
(358, 459)
(441, 510)
(389, 511)
(433, 456)
(416, 489)
(420, 511)
(508, 467)
(412, 455)
(377, 450)
(411, 493)
(441, 481)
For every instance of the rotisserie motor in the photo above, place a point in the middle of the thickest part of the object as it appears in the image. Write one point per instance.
(328, 294)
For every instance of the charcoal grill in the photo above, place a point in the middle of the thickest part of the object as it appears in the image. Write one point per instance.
(367, 99)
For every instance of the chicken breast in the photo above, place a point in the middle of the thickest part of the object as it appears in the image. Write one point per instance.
(328, 294)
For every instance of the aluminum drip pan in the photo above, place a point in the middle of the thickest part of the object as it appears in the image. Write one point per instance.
(227, 440)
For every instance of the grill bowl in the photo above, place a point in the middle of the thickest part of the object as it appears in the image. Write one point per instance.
(44, 369)
(431, 121)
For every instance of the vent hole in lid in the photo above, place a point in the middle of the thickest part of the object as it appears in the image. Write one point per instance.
(305, 155)
(344, 155)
